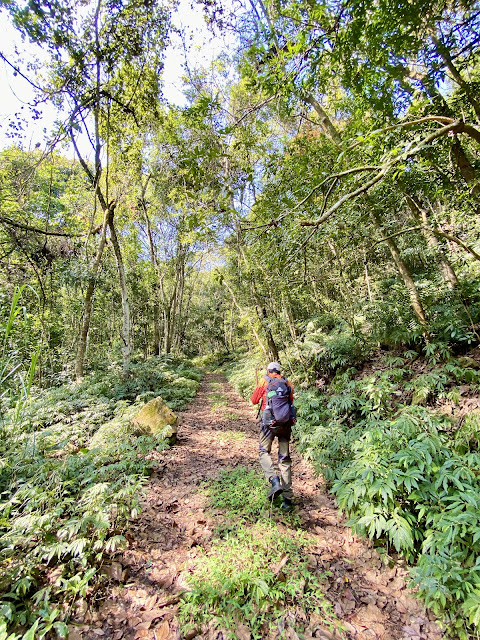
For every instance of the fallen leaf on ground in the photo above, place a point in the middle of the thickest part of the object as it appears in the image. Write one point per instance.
(162, 632)
(280, 564)
(243, 632)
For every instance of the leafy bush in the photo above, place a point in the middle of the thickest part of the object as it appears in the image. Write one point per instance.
(405, 474)
(325, 351)
(66, 498)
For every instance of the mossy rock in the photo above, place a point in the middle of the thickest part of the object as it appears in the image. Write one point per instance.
(115, 431)
(468, 363)
(155, 418)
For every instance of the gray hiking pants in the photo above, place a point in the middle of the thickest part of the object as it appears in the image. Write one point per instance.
(284, 462)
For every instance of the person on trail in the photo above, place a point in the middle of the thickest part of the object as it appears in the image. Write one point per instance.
(278, 414)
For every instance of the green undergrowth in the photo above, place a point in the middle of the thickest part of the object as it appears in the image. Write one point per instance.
(405, 469)
(230, 435)
(256, 571)
(243, 373)
(400, 451)
(217, 400)
(66, 495)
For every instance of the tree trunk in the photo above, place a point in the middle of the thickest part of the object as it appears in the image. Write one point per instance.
(404, 272)
(268, 334)
(457, 76)
(156, 327)
(367, 277)
(345, 289)
(126, 322)
(87, 306)
(156, 287)
(246, 315)
(420, 214)
(327, 125)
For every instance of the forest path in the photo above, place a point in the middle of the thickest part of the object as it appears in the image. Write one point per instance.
(218, 431)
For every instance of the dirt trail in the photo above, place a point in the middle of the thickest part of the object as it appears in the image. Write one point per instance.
(370, 599)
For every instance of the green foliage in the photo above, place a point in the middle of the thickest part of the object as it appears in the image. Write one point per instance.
(66, 499)
(217, 400)
(405, 475)
(329, 350)
(16, 377)
(236, 581)
(239, 494)
(242, 371)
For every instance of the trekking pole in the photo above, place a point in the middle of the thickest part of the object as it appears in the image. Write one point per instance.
(259, 408)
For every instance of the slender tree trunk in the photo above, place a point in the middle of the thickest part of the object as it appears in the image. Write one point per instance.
(87, 306)
(171, 317)
(403, 271)
(126, 322)
(156, 327)
(457, 76)
(272, 347)
(326, 124)
(157, 285)
(367, 277)
(345, 289)
(467, 170)
(420, 214)
(259, 307)
(167, 332)
(230, 334)
(247, 316)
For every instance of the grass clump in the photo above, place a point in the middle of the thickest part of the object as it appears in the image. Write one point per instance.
(217, 400)
(253, 576)
(239, 494)
(225, 437)
(256, 571)
(231, 415)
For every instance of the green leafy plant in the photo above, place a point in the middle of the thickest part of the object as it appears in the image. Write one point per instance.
(68, 495)
(254, 575)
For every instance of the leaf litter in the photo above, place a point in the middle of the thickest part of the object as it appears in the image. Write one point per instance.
(371, 600)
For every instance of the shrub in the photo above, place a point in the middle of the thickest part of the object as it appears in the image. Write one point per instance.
(404, 474)
(67, 498)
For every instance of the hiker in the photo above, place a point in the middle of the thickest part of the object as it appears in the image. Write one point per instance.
(278, 415)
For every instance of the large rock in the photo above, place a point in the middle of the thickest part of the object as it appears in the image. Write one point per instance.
(155, 418)
(115, 431)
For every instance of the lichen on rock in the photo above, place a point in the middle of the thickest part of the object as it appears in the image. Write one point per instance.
(157, 418)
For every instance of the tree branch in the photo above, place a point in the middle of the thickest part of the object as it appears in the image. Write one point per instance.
(410, 123)
(17, 71)
(435, 232)
(334, 176)
(383, 172)
(27, 227)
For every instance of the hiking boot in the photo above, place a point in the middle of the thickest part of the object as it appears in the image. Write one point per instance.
(276, 489)
(287, 504)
